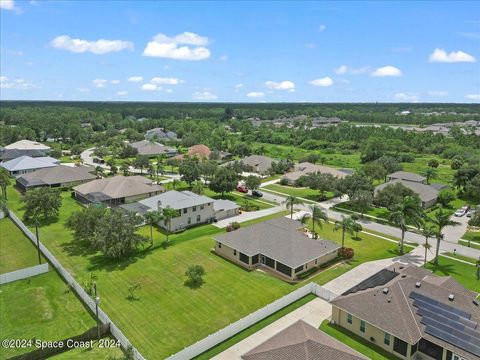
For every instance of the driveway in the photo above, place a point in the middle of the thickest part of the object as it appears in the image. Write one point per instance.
(249, 215)
(313, 313)
(455, 233)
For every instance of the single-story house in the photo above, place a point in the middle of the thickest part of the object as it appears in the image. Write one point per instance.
(58, 176)
(151, 149)
(407, 176)
(201, 151)
(277, 245)
(225, 208)
(28, 145)
(305, 168)
(24, 147)
(428, 194)
(26, 164)
(160, 133)
(259, 163)
(301, 341)
(412, 314)
(116, 190)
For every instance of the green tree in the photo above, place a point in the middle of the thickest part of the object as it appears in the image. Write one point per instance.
(440, 220)
(4, 182)
(353, 183)
(189, 169)
(113, 169)
(224, 181)
(141, 162)
(456, 163)
(445, 197)
(347, 224)
(152, 218)
(472, 188)
(374, 171)
(253, 182)
(290, 202)
(427, 231)
(317, 215)
(430, 173)
(194, 274)
(198, 187)
(433, 163)
(361, 201)
(42, 201)
(84, 223)
(321, 182)
(408, 211)
(168, 214)
(125, 167)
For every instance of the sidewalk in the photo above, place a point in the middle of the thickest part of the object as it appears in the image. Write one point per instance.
(250, 215)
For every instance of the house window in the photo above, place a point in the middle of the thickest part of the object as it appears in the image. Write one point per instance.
(349, 318)
(219, 245)
(362, 326)
(198, 218)
(189, 221)
(194, 208)
(235, 252)
(202, 207)
(316, 261)
(386, 339)
(400, 346)
(185, 210)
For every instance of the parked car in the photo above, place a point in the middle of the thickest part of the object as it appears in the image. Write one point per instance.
(242, 189)
(471, 212)
(460, 212)
(257, 193)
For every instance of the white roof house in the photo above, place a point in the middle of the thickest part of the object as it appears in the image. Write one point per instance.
(25, 164)
(27, 145)
(176, 200)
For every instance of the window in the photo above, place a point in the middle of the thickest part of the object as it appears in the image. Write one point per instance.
(189, 221)
(254, 259)
(316, 261)
(235, 252)
(202, 207)
(298, 269)
(362, 326)
(219, 245)
(198, 218)
(194, 208)
(185, 210)
(244, 258)
(400, 346)
(386, 339)
(349, 318)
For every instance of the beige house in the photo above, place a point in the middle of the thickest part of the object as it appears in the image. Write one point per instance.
(59, 176)
(306, 168)
(116, 190)
(412, 314)
(277, 245)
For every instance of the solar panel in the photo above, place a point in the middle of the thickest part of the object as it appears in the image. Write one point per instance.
(471, 348)
(453, 324)
(472, 339)
(417, 296)
(445, 314)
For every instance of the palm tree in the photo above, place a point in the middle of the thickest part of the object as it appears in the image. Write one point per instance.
(168, 214)
(347, 224)
(152, 218)
(428, 231)
(408, 211)
(4, 182)
(430, 173)
(290, 202)
(317, 215)
(439, 221)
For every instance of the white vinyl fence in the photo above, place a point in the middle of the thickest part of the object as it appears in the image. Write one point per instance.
(75, 286)
(240, 325)
(23, 273)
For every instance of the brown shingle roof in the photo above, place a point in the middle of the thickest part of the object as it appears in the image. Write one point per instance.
(200, 150)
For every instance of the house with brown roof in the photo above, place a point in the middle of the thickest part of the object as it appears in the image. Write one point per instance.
(413, 314)
(200, 151)
(306, 168)
(59, 176)
(116, 190)
(301, 341)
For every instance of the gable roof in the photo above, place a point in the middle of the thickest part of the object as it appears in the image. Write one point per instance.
(279, 239)
(145, 147)
(27, 145)
(176, 200)
(9, 154)
(199, 150)
(56, 175)
(259, 162)
(408, 176)
(302, 341)
(224, 205)
(118, 187)
(425, 192)
(395, 312)
(28, 163)
(306, 168)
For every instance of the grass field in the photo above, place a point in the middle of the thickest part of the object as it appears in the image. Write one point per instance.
(41, 307)
(305, 193)
(465, 274)
(473, 236)
(94, 353)
(16, 251)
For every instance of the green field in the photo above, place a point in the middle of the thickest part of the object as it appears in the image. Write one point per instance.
(473, 236)
(94, 353)
(465, 274)
(300, 192)
(16, 251)
(41, 307)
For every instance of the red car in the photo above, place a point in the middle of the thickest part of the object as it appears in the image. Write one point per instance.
(242, 189)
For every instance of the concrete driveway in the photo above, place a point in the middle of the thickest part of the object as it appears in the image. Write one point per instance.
(313, 313)
(455, 233)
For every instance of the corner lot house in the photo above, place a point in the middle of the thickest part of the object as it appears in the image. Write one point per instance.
(24, 147)
(26, 164)
(152, 149)
(412, 314)
(116, 190)
(58, 176)
(192, 209)
(305, 168)
(277, 245)
(301, 341)
(258, 163)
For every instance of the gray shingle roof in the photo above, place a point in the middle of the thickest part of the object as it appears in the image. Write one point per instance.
(145, 147)
(279, 239)
(301, 341)
(29, 163)
(404, 175)
(306, 168)
(56, 175)
(176, 200)
(425, 192)
(258, 162)
(224, 205)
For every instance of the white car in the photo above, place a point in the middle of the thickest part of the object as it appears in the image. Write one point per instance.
(460, 212)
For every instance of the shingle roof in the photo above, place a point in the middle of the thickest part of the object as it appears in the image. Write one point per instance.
(279, 239)
(29, 163)
(9, 154)
(27, 145)
(394, 311)
(146, 147)
(306, 168)
(119, 186)
(425, 192)
(199, 150)
(404, 175)
(176, 200)
(302, 341)
(56, 175)
(258, 162)
(224, 205)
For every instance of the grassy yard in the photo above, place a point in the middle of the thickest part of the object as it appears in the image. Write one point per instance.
(465, 274)
(356, 342)
(444, 172)
(473, 236)
(305, 193)
(16, 251)
(40, 307)
(94, 353)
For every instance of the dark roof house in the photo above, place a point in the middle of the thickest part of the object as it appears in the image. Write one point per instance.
(151, 148)
(61, 176)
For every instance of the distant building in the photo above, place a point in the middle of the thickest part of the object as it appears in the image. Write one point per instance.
(152, 149)
(26, 164)
(200, 151)
(160, 134)
(306, 168)
(258, 163)
(24, 147)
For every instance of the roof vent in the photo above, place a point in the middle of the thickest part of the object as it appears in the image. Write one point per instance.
(385, 290)
(389, 299)
(475, 301)
(418, 284)
(451, 297)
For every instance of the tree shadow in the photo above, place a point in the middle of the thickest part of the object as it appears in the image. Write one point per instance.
(194, 284)
(445, 269)
(78, 248)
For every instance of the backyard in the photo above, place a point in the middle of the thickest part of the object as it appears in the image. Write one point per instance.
(300, 192)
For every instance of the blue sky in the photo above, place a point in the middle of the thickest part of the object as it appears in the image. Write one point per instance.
(241, 51)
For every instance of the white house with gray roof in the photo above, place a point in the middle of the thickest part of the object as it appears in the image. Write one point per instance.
(26, 164)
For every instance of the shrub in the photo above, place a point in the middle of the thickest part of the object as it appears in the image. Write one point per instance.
(346, 253)
(233, 226)
(284, 181)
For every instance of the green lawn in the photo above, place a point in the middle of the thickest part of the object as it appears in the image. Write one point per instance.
(94, 353)
(254, 328)
(465, 274)
(473, 236)
(16, 251)
(305, 193)
(40, 307)
(444, 172)
(356, 342)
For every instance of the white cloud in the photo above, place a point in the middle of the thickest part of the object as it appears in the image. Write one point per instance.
(344, 69)
(205, 95)
(169, 91)
(122, 93)
(135, 79)
(100, 83)
(3, 79)
(438, 93)
(149, 87)
(177, 47)
(14, 52)
(440, 55)
(84, 90)
(166, 81)
(322, 28)
(256, 94)
(224, 57)
(16, 84)
(326, 81)
(98, 47)
(238, 86)
(283, 85)
(406, 97)
(387, 71)
(7, 4)
(475, 97)
(115, 82)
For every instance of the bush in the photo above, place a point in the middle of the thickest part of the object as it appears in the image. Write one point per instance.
(284, 181)
(346, 253)
(233, 226)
